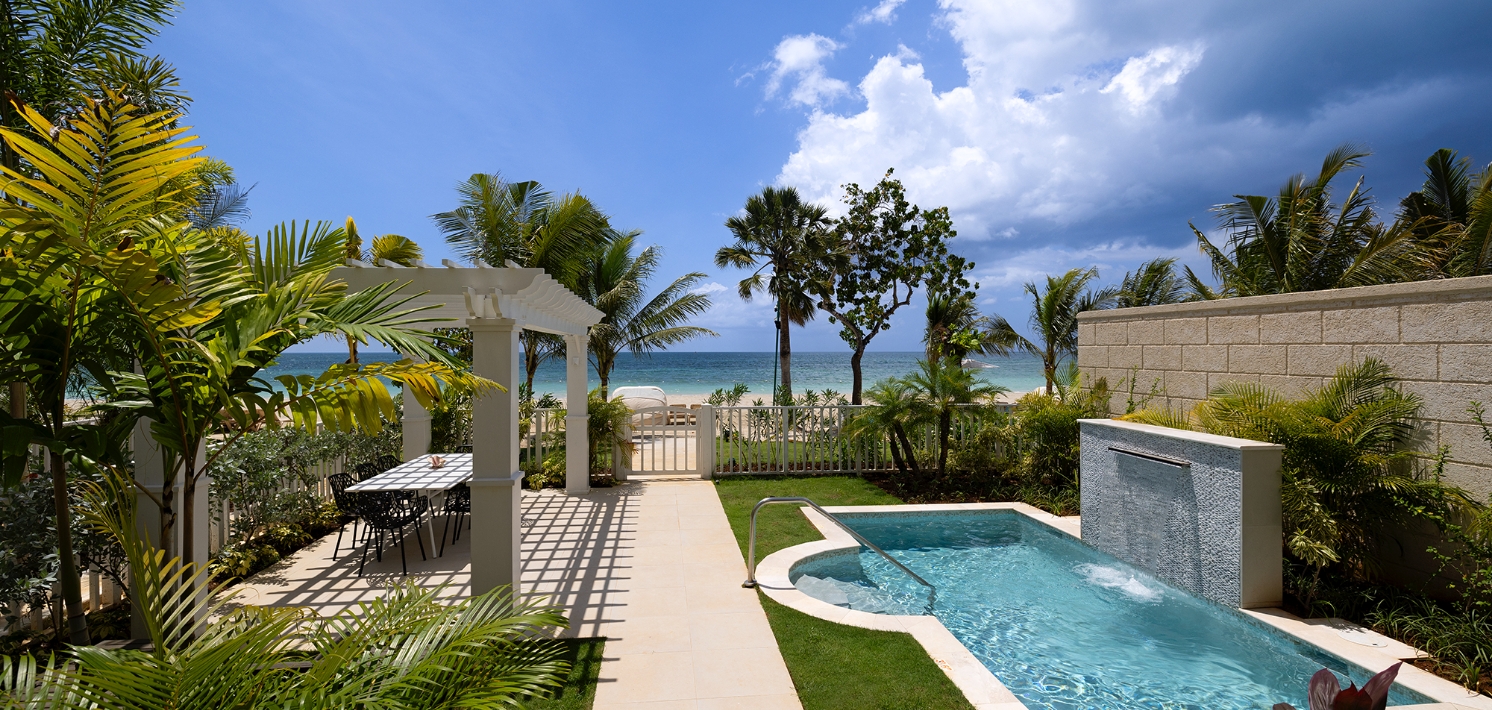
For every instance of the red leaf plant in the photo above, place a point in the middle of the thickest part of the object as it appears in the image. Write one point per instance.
(1325, 693)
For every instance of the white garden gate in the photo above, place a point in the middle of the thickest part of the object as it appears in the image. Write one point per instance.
(672, 440)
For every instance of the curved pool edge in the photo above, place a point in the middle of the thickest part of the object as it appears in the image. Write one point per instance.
(980, 686)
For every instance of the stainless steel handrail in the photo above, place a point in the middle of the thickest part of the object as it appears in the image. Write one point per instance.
(751, 544)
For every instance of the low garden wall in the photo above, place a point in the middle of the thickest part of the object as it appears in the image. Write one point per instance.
(1436, 335)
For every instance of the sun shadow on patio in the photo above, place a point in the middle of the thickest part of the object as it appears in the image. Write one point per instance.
(577, 550)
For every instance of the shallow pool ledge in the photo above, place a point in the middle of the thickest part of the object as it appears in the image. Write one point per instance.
(983, 690)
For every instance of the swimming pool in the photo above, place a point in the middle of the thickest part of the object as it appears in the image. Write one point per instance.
(1065, 626)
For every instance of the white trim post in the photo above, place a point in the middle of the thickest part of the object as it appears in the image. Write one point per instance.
(496, 481)
(577, 416)
(705, 437)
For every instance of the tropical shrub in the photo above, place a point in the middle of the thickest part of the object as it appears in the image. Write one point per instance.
(269, 478)
(1349, 471)
(407, 649)
(606, 436)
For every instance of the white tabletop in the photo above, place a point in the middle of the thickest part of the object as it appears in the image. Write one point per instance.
(416, 474)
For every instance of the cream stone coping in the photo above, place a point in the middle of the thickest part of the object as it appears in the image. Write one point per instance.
(985, 692)
(1200, 437)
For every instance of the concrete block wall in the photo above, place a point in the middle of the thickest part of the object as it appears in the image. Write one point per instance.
(1436, 335)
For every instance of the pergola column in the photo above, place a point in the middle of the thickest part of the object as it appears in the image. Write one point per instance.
(577, 417)
(415, 425)
(496, 480)
(150, 474)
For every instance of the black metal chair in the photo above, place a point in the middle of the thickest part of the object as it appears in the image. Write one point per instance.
(347, 503)
(367, 470)
(458, 502)
(387, 462)
(384, 511)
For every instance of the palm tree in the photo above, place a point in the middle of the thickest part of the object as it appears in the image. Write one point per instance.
(1301, 241)
(499, 222)
(774, 239)
(615, 282)
(1054, 318)
(1154, 283)
(385, 249)
(954, 326)
(939, 386)
(1451, 214)
(200, 321)
(891, 404)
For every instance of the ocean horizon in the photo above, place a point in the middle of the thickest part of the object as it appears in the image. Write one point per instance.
(700, 373)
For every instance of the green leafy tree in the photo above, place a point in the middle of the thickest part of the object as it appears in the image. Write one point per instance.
(775, 239)
(875, 259)
(1302, 241)
(1154, 283)
(1054, 319)
(1451, 214)
(939, 387)
(62, 318)
(616, 283)
(499, 222)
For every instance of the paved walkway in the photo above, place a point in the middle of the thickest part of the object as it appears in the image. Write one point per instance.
(651, 565)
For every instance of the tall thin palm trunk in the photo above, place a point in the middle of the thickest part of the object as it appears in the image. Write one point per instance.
(67, 566)
(785, 355)
(945, 423)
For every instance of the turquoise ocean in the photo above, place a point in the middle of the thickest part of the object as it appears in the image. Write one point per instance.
(696, 373)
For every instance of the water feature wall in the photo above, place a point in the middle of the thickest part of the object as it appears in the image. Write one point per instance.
(1199, 511)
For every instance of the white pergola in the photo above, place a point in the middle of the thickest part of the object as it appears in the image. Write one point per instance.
(496, 304)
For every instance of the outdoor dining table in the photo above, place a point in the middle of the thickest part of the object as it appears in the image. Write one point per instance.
(417, 475)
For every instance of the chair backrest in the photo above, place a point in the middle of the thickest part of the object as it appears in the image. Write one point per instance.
(387, 462)
(339, 483)
(366, 471)
(458, 499)
(379, 508)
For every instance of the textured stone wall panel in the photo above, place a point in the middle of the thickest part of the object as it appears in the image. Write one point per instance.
(1189, 525)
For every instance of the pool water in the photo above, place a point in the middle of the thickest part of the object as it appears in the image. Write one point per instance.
(1065, 626)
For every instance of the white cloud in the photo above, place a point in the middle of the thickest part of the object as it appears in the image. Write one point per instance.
(1142, 78)
(884, 13)
(1088, 133)
(1034, 134)
(799, 60)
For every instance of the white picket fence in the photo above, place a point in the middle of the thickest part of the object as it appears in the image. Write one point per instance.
(708, 441)
(816, 439)
(220, 523)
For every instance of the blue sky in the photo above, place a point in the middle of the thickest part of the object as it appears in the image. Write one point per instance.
(1060, 134)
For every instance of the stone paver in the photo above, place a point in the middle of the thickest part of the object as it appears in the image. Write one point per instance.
(651, 565)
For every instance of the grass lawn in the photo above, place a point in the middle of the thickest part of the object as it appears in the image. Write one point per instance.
(834, 666)
(579, 690)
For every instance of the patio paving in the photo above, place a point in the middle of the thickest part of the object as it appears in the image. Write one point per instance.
(651, 565)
